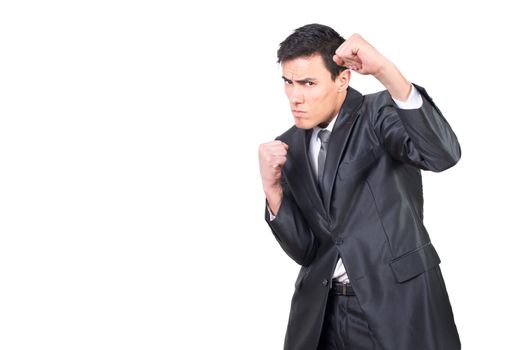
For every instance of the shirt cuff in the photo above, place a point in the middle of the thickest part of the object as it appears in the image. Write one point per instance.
(271, 216)
(414, 100)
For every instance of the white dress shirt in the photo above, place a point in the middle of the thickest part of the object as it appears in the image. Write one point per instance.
(414, 101)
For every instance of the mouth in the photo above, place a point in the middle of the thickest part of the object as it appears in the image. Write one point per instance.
(298, 113)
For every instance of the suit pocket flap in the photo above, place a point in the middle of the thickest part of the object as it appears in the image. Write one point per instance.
(415, 262)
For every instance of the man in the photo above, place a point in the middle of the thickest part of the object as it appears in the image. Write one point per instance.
(344, 200)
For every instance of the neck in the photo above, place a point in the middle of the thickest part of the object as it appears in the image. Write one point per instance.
(340, 101)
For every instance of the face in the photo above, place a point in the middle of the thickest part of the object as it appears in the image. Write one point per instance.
(314, 97)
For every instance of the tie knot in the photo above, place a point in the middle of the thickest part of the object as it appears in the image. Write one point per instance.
(323, 135)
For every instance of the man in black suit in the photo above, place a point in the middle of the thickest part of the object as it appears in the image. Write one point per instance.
(344, 200)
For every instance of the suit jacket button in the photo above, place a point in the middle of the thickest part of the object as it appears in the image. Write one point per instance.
(325, 282)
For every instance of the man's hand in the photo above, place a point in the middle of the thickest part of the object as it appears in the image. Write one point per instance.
(360, 56)
(272, 157)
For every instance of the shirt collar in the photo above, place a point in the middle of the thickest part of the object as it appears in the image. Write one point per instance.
(317, 129)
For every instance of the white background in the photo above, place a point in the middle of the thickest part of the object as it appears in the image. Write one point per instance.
(131, 210)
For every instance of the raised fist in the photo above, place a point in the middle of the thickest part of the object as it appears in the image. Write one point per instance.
(272, 157)
(359, 55)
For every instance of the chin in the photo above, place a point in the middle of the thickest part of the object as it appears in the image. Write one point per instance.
(302, 124)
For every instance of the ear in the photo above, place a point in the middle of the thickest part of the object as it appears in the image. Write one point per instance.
(342, 80)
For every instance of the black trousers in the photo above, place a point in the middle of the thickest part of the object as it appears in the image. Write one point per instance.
(345, 327)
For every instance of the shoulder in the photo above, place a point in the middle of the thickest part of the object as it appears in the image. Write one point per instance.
(287, 135)
(377, 104)
(378, 99)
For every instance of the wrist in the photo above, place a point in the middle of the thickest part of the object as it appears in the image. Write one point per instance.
(393, 80)
(274, 197)
(384, 70)
(272, 190)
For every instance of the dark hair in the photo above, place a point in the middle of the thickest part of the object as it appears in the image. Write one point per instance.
(309, 40)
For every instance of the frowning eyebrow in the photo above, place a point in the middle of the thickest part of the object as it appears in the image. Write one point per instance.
(300, 81)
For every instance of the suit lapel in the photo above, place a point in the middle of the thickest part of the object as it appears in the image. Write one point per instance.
(298, 167)
(337, 142)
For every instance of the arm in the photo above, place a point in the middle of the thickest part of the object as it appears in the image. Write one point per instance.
(360, 56)
(292, 231)
(421, 137)
(288, 225)
(418, 136)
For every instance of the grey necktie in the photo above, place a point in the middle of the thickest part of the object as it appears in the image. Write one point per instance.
(323, 135)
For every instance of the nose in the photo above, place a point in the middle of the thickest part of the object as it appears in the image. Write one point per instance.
(296, 96)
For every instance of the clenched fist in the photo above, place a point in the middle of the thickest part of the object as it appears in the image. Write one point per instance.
(360, 56)
(272, 157)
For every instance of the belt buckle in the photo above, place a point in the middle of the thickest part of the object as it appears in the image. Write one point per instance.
(344, 288)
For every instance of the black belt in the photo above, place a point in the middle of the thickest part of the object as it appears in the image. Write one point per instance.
(339, 288)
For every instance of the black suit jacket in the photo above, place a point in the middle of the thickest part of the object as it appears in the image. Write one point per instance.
(368, 210)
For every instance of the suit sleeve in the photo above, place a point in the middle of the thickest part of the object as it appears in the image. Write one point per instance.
(291, 230)
(421, 137)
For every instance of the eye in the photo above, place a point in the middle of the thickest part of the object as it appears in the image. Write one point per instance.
(309, 83)
(288, 82)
